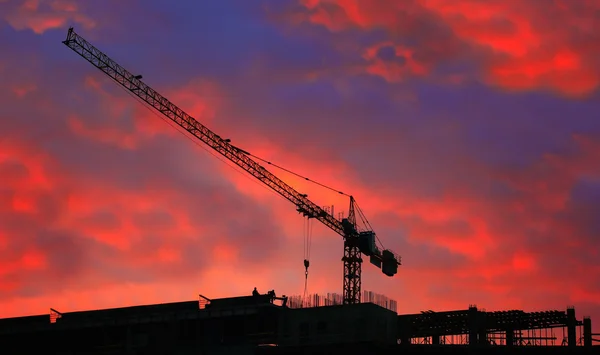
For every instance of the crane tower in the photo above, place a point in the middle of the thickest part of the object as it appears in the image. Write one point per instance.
(357, 240)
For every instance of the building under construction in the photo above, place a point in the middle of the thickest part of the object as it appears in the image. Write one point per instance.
(266, 324)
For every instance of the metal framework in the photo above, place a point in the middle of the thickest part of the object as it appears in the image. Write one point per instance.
(511, 328)
(352, 253)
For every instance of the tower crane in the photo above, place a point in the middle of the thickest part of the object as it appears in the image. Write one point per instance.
(357, 240)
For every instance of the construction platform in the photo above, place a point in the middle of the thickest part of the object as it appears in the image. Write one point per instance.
(265, 324)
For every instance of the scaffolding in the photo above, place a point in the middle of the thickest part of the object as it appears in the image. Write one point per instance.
(508, 328)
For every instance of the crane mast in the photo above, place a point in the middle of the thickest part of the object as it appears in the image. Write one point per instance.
(356, 242)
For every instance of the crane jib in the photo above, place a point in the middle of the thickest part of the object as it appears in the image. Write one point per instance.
(354, 242)
(181, 118)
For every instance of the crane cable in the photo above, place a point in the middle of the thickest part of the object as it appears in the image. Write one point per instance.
(307, 243)
(296, 174)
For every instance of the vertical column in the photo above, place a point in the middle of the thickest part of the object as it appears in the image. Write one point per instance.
(587, 332)
(404, 330)
(510, 337)
(571, 327)
(482, 328)
(473, 325)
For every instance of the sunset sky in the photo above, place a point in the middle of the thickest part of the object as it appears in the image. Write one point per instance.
(467, 132)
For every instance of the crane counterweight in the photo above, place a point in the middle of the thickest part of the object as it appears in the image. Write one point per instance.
(355, 241)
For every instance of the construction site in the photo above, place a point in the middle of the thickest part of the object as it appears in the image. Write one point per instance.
(267, 324)
(355, 321)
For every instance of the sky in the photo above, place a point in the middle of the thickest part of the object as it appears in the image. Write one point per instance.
(467, 132)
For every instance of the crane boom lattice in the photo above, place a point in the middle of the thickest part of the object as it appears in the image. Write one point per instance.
(355, 242)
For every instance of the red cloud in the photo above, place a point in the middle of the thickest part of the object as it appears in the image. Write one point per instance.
(161, 230)
(521, 44)
(42, 15)
(49, 212)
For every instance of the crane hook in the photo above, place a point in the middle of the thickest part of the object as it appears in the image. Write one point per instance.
(306, 265)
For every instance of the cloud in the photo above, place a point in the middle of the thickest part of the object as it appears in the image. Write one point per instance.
(125, 206)
(40, 16)
(82, 229)
(514, 45)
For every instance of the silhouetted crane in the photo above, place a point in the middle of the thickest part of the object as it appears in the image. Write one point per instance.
(357, 241)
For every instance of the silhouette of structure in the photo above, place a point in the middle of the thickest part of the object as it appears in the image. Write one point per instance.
(358, 240)
(265, 324)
